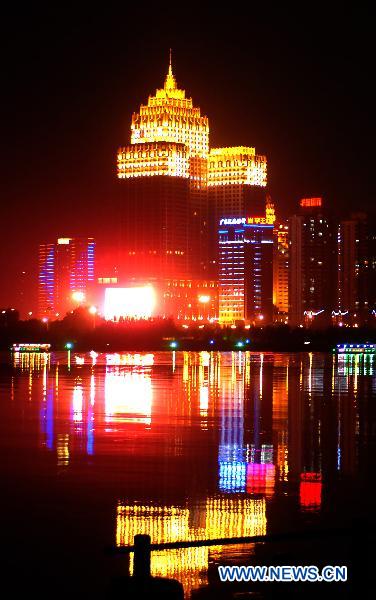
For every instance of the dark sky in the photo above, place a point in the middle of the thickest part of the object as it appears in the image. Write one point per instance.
(298, 87)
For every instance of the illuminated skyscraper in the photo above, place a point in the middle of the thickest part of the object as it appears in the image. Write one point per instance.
(164, 207)
(66, 267)
(312, 264)
(356, 270)
(281, 272)
(237, 179)
(246, 269)
(176, 189)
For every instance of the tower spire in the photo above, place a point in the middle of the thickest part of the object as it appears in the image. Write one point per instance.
(170, 82)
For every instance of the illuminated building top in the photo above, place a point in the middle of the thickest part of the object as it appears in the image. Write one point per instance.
(237, 165)
(171, 117)
(145, 160)
(270, 211)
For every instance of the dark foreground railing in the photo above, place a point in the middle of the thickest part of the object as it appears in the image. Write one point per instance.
(141, 540)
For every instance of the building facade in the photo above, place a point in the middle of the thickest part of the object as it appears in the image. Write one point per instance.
(311, 265)
(163, 172)
(356, 271)
(281, 272)
(245, 286)
(237, 179)
(66, 275)
(175, 188)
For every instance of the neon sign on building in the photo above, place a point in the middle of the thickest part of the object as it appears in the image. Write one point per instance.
(310, 202)
(267, 220)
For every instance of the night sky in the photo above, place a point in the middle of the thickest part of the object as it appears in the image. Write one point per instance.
(297, 87)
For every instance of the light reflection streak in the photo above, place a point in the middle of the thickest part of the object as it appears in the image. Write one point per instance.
(231, 451)
(62, 449)
(130, 360)
(252, 404)
(204, 401)
(310, 491)
(31, 361)
(77, 402)
(221, 517)
(128, 396)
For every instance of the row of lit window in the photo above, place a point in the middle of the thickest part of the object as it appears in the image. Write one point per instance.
(171, 119)
(171, 151)
(104, 280)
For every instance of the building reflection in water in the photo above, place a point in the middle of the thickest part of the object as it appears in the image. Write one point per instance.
(128, 396)
(232, 449)
(221, 517)
(90, 427)
(230, 431)
(310, 491)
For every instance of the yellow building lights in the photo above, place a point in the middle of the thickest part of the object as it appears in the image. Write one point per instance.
(270, 211)
(219, 517)
(171, 117)
(144, 160)
(238, 165)
(169, 136)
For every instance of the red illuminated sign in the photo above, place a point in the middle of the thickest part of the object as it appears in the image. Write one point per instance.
(310, 202)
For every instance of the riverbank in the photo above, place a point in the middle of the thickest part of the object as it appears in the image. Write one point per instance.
(85, 334)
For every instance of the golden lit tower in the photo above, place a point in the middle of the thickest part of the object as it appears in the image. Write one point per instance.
(171, 117)
(281, 272)
(166, 218)
(170, 178)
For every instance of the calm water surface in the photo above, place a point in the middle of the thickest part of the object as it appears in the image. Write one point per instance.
(97, 448)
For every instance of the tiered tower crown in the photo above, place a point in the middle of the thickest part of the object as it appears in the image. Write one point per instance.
(171, 117)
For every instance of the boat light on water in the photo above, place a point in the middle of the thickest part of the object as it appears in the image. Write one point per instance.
(355, 348)
(31, 347)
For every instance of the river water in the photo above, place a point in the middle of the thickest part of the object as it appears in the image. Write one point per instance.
(182, 446)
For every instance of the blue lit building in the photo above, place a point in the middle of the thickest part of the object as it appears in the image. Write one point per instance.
(245, 270)
(66, 275)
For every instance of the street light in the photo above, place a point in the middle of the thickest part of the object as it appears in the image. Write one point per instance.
(78, 297)
(69, 346)
(93, 312)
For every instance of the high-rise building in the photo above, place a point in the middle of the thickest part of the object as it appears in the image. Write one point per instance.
(281, 272)
(237, 179)
(246, 269)
(175, 189)
(356, 271)
(312, 265)
(66, 275)
(164, 210)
